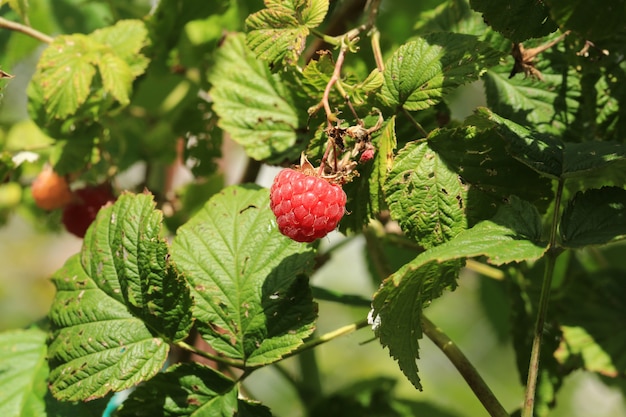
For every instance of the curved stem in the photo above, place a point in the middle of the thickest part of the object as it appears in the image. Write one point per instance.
(465, 368)
(26, 30)
(544, 298)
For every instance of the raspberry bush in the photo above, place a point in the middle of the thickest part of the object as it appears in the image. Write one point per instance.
(469, 155)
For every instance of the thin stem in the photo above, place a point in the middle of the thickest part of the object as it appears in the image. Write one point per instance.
(465, 368)
(484, 269)
(544, 298)
(414, 122)
(220, 359)
(26, 30)
(378, 54)
(327, 337)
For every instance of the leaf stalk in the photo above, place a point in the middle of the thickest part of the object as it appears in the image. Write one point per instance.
(544, 298)
(26, 30)
(465, 368)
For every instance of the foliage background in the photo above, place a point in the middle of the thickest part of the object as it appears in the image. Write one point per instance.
(26, 294)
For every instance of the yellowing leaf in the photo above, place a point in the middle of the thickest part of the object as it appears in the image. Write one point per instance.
(278, 32)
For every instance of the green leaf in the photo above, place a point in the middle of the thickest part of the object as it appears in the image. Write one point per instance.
(586, 158)
(481, 160)
(97, 345)
(117, 77)
(513, 235)
(383, 164)
(255, 107)
(546, 105)
(451, 16)
(594, 217)
(425, 196)
(586, 18)
(24, 371)
(541, 152)
(398, 305)
(278, 32)
(124, 244)
(126, 38)
(66, 72)
(252, 301)
(421, 72)
(594, 335)
(518, 20)
(554, 158)
(187, 389)
(67, 68)
(117, 305)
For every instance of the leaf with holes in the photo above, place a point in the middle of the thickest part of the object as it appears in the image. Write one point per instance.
(425, 196)
(118, 305)
(253, 302)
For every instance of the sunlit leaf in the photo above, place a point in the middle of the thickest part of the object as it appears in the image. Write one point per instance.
(425, 196)
(117, 305)
(279, 31)
(254, 105)
(252, 301)
(421, 72)
(24, 371)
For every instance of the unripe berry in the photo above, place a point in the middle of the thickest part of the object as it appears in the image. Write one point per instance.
(306, 207)
(50, 190)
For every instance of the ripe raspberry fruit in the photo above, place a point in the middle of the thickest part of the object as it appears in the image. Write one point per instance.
(50, 190)
(306, 207)
(78, 216)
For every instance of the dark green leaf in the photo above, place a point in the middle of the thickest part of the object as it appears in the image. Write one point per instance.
(540, 152)
(421, 72)
(451, 16)
(513, 235)
(583, 159)
(398, 306)
(549, 105)
(425, 196)
(252, 301)
(480, 158)
(594, 217)
(187, 389)
(518, 20)
(585, 17)
(591, 317)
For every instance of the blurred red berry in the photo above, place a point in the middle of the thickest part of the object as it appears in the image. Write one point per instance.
(78, 215)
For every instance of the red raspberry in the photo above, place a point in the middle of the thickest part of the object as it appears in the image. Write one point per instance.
(306, 207)
(78, 216)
